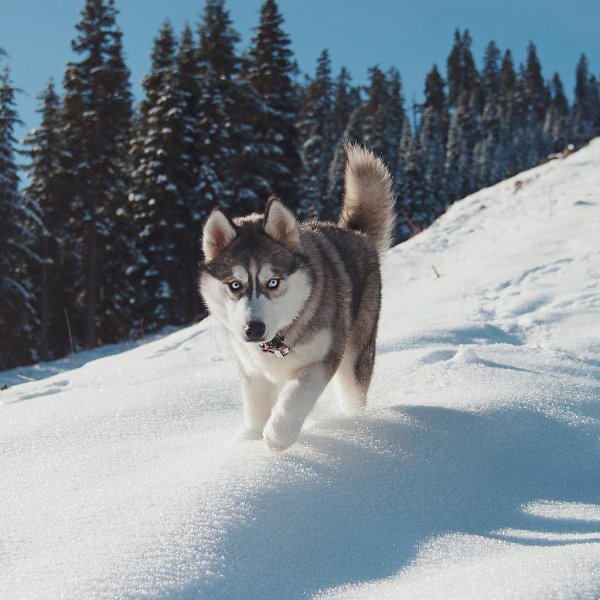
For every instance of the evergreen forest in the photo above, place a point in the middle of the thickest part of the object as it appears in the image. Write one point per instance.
(100, 230)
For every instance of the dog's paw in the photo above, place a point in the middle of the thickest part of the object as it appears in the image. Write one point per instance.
(279, 436)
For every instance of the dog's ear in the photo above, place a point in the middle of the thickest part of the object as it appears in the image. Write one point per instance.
(217, 235)
(280, 224)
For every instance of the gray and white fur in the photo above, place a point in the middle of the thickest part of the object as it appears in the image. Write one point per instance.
(316, 285)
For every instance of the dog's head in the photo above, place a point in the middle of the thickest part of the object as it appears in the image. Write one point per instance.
(254, 278)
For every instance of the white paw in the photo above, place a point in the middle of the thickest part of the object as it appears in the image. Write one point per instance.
(279, 435)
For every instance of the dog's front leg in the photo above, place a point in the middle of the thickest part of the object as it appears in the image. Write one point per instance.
(296, 399)
(258, 397)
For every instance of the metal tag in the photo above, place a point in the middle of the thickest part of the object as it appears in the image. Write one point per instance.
(282, 351)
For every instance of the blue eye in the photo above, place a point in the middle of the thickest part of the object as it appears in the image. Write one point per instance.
(234, 285)
(273, 283)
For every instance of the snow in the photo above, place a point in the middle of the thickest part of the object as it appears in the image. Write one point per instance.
(475, 471)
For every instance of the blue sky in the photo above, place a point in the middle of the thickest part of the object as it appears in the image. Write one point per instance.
(407, 34)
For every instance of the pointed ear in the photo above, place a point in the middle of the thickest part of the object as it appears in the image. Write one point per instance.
(217, 235)
(280, 224)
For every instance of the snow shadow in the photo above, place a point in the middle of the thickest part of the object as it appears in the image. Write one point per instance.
(470, 334)
(56, 387)
(409, 474)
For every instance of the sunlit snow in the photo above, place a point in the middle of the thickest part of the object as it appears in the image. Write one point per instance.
(475, 472)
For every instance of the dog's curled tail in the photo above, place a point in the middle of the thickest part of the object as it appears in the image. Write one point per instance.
(368, 198)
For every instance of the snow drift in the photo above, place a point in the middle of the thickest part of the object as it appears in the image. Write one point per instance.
(475, 472)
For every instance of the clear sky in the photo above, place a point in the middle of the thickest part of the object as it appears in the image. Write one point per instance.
(408, 34)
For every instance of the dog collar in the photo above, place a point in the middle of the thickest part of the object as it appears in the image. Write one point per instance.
(275, 346)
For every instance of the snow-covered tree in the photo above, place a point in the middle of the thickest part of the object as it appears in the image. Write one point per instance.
(270, 69)
(20, 225)
(97, 119)
(432, 141)
(347, 127)
(535, 91)
(383, 113)
(335, 175)
(461, 72)
(414, 211)
(556, 122)
(490, 74)
(585, 104)
(511, 113)
(346, 98)
(533, 144)
(489, 162)
(156, 198)
(396, 113)
(218, 105)
(47, 188)
(462, 137)
(315, 127)
(194, 207)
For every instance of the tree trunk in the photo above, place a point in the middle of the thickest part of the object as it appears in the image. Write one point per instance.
(91, 282)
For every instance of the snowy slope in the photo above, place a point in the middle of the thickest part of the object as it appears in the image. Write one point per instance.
(474, 473)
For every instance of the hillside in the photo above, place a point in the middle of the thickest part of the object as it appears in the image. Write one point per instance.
(474, 473)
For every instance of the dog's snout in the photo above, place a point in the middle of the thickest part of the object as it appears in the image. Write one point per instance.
(254, 331)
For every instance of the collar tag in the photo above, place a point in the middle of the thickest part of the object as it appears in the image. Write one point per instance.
(275, 346)
(282, 351)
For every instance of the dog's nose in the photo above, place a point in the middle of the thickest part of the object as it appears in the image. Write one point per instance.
(254, 331)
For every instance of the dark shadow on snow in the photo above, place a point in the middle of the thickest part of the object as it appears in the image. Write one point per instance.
(416, 472)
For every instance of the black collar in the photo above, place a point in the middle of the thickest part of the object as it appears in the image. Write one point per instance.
(275, 346)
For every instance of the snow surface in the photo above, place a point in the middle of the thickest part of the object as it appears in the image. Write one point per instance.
(474, 473)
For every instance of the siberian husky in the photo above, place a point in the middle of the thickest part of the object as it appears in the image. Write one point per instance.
(300, 300)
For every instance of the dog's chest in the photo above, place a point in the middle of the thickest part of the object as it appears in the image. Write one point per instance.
(279, 369)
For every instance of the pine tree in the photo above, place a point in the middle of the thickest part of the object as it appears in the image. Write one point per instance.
(536, 93)
(218, 106)
(118, 301)
(19, 227)
(376, 113)
(97, 119)
(157, 201)
(511, 114)
(536, 98)
(432, 141)
(347, 127)
(507, 82)
(396, 113)
(269, 69)
(462, 137)
(556, 122)
(489, 163)
(595, 104)
(585, 104)
(527, 138)
(315, 126)
(435, 97)
(490, 157)
(462, 75)
(383, 113)
(346, 100)
(454, 68)
(490, 74)
(47, 188)
(194, 209)
(335, 175)
(414, 211)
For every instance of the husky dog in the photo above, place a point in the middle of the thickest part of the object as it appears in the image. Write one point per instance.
(300, 300)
